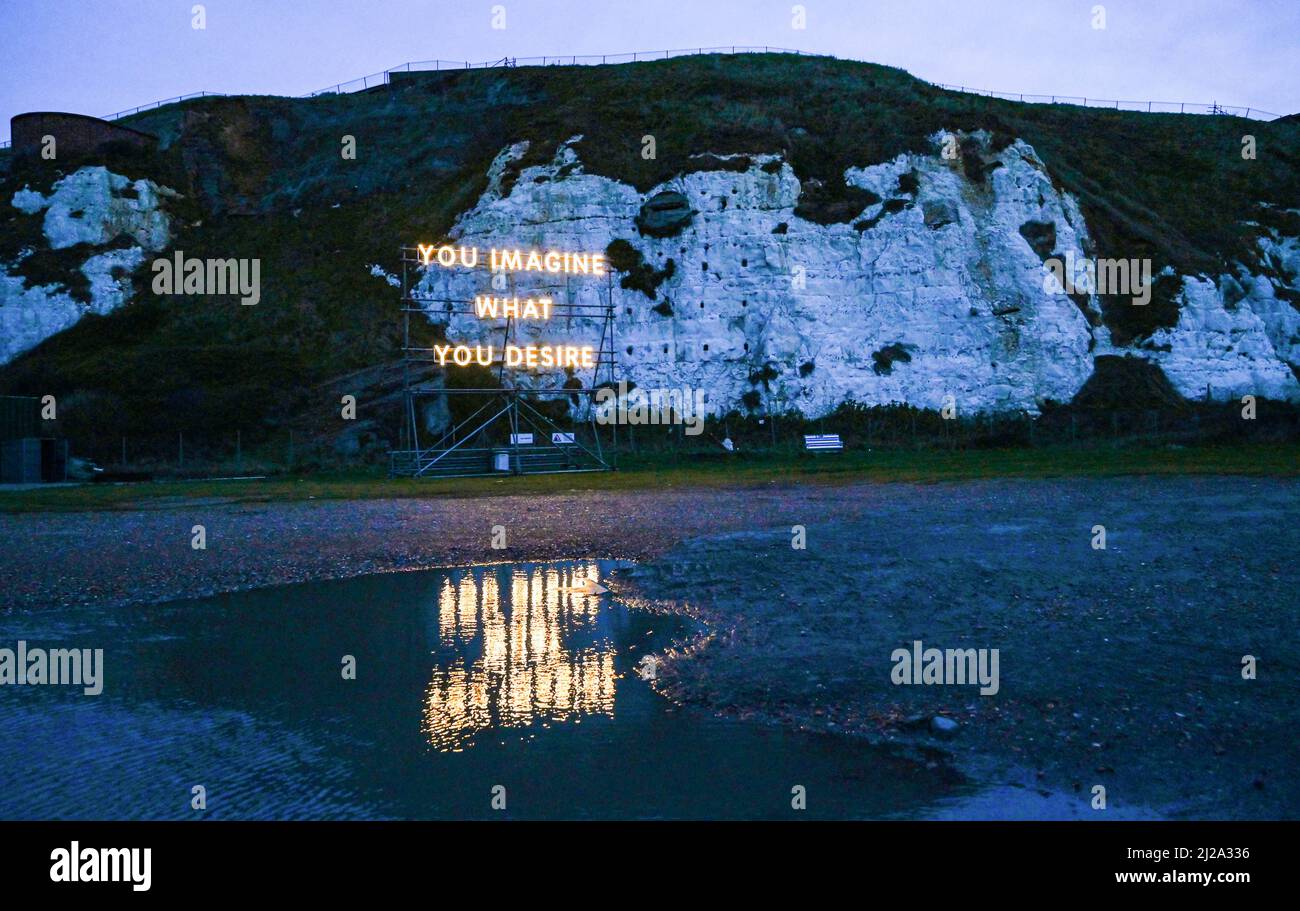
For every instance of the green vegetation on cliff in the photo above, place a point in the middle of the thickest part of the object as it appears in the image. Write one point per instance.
(263, 177)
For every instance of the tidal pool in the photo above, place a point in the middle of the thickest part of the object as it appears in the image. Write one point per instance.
(468, 681)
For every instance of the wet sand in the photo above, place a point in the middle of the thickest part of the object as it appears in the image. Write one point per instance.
(1118, 667)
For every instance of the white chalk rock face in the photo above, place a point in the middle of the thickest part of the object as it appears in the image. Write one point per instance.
(947, 288)
(94, 207)
(28, 316)
(1267, 298)
(1223, 350)
(939, 294)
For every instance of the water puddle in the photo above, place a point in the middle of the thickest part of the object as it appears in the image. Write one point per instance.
(515, 676)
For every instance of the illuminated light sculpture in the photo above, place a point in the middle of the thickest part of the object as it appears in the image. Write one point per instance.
(512, 308)
(530, 356)
(497, 437)
(547, 356)
(556, 262)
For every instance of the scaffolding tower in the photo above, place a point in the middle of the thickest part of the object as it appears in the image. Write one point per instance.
(509, 430)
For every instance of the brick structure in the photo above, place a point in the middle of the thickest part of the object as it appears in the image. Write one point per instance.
(73, 133)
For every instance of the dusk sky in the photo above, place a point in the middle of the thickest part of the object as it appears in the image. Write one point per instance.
(101, 56)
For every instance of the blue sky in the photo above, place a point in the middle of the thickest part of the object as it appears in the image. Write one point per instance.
(101, 56)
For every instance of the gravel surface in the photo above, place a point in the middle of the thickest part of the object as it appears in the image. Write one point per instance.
(146, 555)
(1119, 667)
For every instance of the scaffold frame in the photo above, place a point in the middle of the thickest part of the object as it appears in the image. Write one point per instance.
(470, 446)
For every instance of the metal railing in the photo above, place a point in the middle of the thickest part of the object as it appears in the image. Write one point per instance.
(1148, 107)
(374, 79)
(157, 104)
(361, 83)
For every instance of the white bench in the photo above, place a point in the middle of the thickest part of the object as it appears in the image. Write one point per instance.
(823, 442)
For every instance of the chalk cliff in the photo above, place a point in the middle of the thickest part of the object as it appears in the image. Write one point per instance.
(931, 291)
(808, 232)
(110, 220)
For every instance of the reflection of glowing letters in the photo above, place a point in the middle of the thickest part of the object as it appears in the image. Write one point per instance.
(524, 672)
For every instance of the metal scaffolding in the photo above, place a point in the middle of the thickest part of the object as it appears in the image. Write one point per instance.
(509, 430)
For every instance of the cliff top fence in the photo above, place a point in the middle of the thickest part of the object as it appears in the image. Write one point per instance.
(1145, 107)
(361, 83)
(374, 80)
